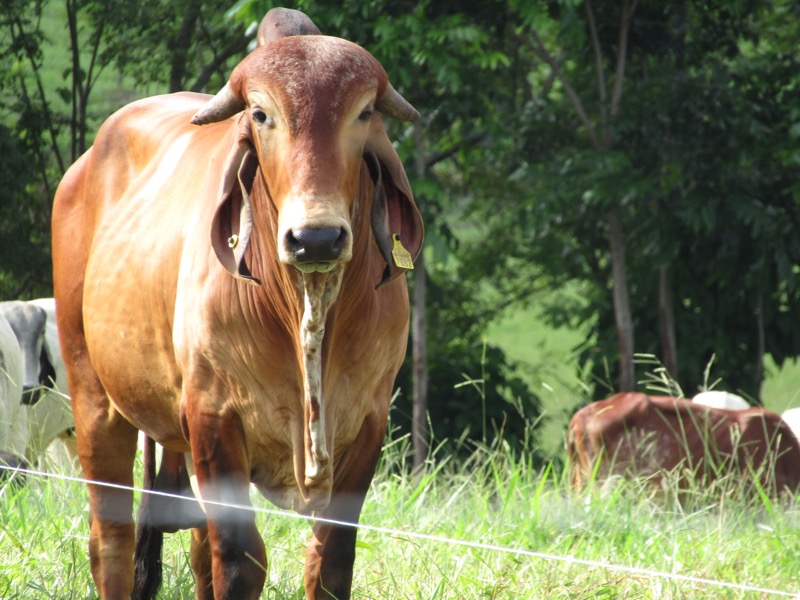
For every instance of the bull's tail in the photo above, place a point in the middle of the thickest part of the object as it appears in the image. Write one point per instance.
(174, 509)
(149, 539)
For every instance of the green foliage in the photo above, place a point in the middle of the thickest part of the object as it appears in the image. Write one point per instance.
(474, 390)
(698, 159)
(701, 157)
(24, 223)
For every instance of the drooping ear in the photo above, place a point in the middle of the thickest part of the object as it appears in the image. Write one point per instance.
(232, 224)
(396, 221)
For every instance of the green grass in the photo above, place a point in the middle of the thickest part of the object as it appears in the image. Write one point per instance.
(496, 497)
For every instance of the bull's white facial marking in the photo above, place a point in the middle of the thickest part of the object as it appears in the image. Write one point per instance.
(320, 292)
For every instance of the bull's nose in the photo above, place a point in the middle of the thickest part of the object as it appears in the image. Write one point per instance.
(311, 245)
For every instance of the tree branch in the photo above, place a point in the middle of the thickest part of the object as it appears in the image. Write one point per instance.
(43, 99)
(539, 49)
(598, 63)
(624, 28)
(180, 46)
(473, 138)
(237, 46)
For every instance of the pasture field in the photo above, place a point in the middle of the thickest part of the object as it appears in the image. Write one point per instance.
(496, 498)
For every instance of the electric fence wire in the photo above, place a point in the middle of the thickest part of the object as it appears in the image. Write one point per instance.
(400, 533)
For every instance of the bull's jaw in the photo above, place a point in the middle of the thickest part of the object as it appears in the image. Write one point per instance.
(320, 291)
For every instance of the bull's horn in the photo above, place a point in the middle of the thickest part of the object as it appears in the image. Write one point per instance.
(225, 104)
(394, 105)
(283, 22)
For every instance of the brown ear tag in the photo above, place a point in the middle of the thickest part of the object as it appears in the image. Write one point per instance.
(402, 257)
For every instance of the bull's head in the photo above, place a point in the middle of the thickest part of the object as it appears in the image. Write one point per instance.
(311, 107)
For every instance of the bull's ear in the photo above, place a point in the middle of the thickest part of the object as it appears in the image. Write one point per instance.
(396, 221)
(232, 224)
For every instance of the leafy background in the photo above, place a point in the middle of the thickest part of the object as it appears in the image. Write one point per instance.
(534, 144)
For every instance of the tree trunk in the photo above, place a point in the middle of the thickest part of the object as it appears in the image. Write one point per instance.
(419, 424)
(761, 349)
(181, 45)
(419, 428)
(622, 309)
(666, 322)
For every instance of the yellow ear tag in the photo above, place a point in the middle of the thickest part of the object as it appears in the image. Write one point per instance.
(233, 241)
(402, 257)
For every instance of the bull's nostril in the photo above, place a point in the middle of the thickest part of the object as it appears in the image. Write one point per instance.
(339, 243)
(292, 243)
(316, 244)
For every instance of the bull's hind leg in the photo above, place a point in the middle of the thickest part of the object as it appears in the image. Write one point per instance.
(106, 448)
(331, 550)
(200, 556)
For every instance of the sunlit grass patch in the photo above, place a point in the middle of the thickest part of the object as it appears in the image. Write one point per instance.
(490, 526)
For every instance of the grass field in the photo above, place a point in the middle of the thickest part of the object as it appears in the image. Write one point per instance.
(558, 544)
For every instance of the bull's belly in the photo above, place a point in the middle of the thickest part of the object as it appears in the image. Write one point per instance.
(130, 346)
(141, 385)
(128, 310)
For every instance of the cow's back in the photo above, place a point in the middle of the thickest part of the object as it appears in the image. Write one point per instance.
(633, 434)
(771, 449)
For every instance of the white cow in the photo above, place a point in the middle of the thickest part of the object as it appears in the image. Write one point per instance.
(13, 415)
(791, 417)
(716, 399)
(44, 380)
(51, 417)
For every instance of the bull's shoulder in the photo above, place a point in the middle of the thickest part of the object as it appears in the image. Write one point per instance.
(156, 119)
(164, 105)
(147, 133)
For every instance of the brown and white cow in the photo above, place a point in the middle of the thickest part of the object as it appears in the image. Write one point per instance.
(635, 434)
(235, 291)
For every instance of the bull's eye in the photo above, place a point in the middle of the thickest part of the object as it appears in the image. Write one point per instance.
(260, 117)
(366, 114)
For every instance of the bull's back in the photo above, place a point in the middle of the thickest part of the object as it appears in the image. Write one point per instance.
(120, 218)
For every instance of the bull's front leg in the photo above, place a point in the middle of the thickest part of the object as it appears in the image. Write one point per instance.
(331, 550)
(237, 557)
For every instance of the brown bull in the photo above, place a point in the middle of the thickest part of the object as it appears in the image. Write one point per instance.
(635, 434)
(234, 290)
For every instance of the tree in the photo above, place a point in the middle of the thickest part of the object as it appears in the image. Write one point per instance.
(52, 123)
(693, 148)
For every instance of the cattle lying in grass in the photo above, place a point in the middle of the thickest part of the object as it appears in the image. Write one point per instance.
(48, 412)
(632, 434)
(236, 291)
(13, 414)
(718, 399)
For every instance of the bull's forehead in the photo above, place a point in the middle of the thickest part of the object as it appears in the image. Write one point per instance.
(311, 78)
